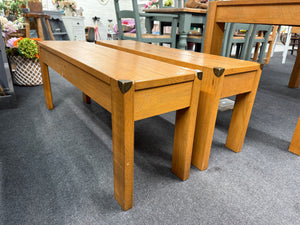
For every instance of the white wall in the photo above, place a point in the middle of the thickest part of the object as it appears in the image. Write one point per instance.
(94, 8)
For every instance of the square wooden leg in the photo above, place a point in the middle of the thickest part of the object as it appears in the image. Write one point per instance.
(240, 117)
(210, 93)
(86, 98)
(295, 76)
(46, 84)
(184, 135)
(123, 142)
(295, 143)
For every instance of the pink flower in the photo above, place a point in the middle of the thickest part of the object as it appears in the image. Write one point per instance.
(10, 42)
(149, 3)
(154, 1)
(146, 6)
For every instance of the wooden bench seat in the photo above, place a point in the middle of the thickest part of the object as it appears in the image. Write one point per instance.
(128, 87)
(222, 77)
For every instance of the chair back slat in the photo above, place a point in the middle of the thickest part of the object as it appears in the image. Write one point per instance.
(138, 36)
(230, 38)
(265, 31)
(126, 14)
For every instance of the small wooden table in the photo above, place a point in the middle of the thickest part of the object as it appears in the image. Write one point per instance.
(222, 77)
(273, 12)
(131, 89)
(37, 17)
(187, 17)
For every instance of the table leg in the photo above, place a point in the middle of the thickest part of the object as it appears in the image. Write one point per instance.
(86, 98)
(214, 32)
(46, 84)
(123, 141)
(184, 135)
(185, 20)
(210, 94)
(240, 117)
(295, 77)
(295, 143)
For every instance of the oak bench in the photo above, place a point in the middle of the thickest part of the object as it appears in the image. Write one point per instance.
(131, 89)
(222, 77)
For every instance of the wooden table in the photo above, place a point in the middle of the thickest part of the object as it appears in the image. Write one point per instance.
(187, 17)
(128, 87)
(274, 12)
(222, 77)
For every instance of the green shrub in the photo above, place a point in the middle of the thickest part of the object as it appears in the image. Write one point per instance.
(28, 48)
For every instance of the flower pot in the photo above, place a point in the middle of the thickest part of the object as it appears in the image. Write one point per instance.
(35, 6)
(27, 72)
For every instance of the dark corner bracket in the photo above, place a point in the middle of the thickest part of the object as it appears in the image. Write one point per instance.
(218, 71)
(262, 66)
(124, 85)
(199, 74)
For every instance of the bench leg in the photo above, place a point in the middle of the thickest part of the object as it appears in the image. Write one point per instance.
(86, 98)
(240, 117)
(46, 84)
(295, 77)
(295, 143)
(123, 144)
(184, 135)
(210, 94)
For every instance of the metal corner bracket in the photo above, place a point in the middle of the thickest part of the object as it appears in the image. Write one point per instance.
(262, 66)
(218, 71)
(124, 85)
(199, 74)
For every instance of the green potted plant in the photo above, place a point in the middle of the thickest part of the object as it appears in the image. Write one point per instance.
(13, 8)
(23, 53)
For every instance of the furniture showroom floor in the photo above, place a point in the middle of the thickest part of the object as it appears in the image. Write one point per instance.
(56, 166)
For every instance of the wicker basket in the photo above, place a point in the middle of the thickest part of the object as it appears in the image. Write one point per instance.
(19, 33)
(27, 71)
(35, 6)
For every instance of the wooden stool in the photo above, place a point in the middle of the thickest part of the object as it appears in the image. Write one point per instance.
(39, 29)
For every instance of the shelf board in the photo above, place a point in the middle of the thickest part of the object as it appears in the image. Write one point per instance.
(60, 33)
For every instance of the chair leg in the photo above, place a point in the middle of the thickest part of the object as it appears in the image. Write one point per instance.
(198, 47)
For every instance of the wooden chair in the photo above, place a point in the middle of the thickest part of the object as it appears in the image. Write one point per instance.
(147, 37)
(39, 29)
(234, 36)
(259, 37)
